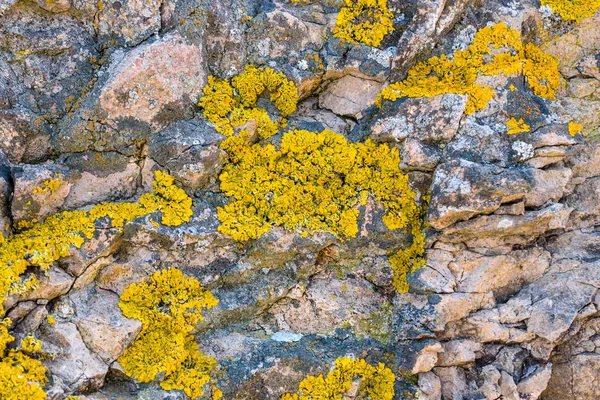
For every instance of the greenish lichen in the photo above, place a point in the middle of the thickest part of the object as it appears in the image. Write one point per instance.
(378, 325)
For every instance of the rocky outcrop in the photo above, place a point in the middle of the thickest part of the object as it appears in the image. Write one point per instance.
(96, 97)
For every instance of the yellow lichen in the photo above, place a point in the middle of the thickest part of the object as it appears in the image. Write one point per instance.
(51, 320)
(376, 383)
(21, 377)
(573, 10)
(46, 242)
(495, 50)
(574, 128)
(233, 105)
(169, 306)
(49, 185)
(515, 126)
(364, 21)
(312, 183)
(31, 345)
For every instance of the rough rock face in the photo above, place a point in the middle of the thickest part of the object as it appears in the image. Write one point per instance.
(95, 97)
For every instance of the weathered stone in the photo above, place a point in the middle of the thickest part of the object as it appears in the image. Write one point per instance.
(141, 91)
(51, 284)
(189, 150)
(462, 189)
(458, 352)
(558, 298)
(349, 96)
(430, 119)
(102, 325)
(416, 154)
(453, 382)
(430, 386)
(74, 363)
(20, 138)
(55, 6)
(508, 230)
(535, 381)
(455, 306)
(427, 358)
(498, 273)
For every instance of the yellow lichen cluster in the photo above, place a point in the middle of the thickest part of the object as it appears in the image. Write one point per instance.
(495, 50)
(233, 105)
(49, 185)
(21, 376)
(377, 383)
(573, 10)
(312, 183)
(574, 128)
(169, 306)
(364, 21)
(46, 242)
(515, 126)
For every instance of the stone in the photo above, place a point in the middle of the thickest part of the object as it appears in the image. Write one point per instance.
(103, 327)
(141, 91)
(349, 96)
(416, 154)
(535, 381)
(507, 230)
(430, 119)
(324, 306)
(154, 82)
(455, 306)
(558, 298)
(54, 6)
(74, 363)
(32, 321)
(462, 189)
(43, 190)
(430, 386)
(20, 138)
(51, 284)
(32, 198)
(427, 358)
(189, 150)
(481, 274)
(458, 352)
(130, 21)
(453, 381)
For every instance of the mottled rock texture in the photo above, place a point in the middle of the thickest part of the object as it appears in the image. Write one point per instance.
(95, 96)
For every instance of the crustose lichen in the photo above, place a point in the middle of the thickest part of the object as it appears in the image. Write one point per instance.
(233, 105)
(169, 306)
(375, 382)
(364, 21)
(573, 10)
(495, 50)
(46, 242)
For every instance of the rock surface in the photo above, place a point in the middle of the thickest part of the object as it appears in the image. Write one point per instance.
(97, 96)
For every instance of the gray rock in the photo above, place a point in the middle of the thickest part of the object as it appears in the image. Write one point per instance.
(189, 151)
(73, 363)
